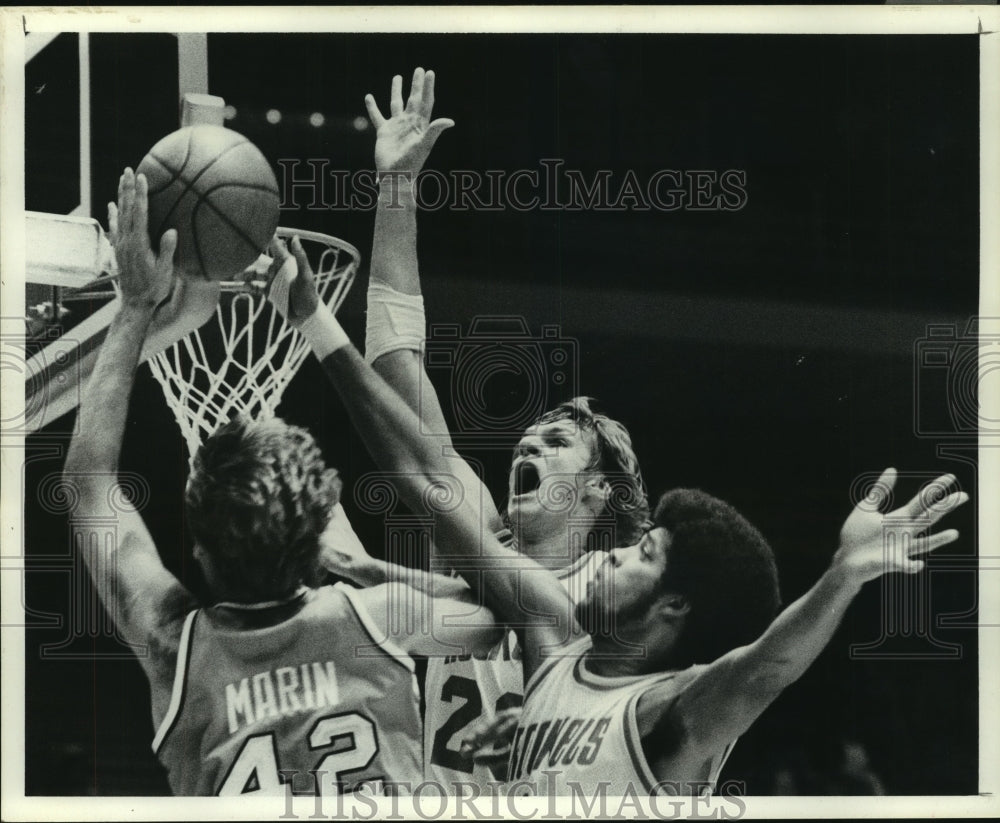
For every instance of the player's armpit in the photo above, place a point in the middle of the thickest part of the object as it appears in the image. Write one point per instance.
(718, 704)
(661, 730)
(145, 601)
(163, 642)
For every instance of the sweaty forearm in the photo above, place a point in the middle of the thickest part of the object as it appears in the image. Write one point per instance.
(724, 700)
(394, 248)
(797, 636)
(388, 427)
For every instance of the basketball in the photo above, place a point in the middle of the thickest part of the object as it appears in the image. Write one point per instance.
(216, 188)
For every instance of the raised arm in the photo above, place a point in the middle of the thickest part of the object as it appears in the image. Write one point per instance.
(145, 601)
(725, 699)
(395, 321)
(519, 591)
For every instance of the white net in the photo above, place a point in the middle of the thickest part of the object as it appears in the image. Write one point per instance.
(243, 360)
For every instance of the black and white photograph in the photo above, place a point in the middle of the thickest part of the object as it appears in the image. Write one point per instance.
(533, 413)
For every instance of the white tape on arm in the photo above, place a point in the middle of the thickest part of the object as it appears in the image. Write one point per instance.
(323, 332)
(395, 321)
(321, 329)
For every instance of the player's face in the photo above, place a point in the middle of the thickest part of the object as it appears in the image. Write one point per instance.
(548, 469)
(628, 583)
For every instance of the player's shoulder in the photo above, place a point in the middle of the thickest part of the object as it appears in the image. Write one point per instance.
(333, 597)
(369, 608)
(567, 655)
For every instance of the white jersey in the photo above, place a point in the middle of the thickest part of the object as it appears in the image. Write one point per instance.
(460, 689)
(578, 734)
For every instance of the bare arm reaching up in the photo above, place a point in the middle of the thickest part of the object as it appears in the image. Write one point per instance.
(146, 602)
(724, 700)
(518, 591)
(395, 325)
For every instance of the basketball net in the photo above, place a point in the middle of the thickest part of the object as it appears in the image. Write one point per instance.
(242, 361)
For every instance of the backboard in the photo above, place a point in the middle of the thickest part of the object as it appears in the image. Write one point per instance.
(88, 113)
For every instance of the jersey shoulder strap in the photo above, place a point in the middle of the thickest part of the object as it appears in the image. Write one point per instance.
(180, 681)
(570, 653)
(378, 635)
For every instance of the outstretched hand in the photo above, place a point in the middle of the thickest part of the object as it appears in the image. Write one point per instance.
(873, 544)
(291, 286)
(145, 278)
(404, 140)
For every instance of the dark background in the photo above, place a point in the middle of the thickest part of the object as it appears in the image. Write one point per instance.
(768, 355)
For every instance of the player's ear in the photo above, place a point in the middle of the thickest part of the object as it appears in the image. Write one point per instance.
(674, 605)
(596, 491)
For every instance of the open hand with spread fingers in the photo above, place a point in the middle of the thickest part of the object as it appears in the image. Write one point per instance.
(873, 544)
(145, 277)
(403, 141)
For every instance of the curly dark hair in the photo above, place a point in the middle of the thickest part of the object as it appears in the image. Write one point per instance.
(615, 458)
(724, 568)
(258, 499)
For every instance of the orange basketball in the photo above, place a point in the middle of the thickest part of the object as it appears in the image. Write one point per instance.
(216, 188)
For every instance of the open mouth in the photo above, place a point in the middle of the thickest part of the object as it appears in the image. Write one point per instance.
(526, 479)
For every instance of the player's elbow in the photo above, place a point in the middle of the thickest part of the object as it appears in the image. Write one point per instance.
(399, 367)
(86, 485)
(76, 460)
(488, 635)
(89, 457)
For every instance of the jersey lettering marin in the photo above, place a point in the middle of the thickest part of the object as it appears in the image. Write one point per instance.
(460, 689)
(254, 708)
(578, 734)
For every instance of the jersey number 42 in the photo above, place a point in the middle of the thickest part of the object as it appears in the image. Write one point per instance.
(255, 770)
